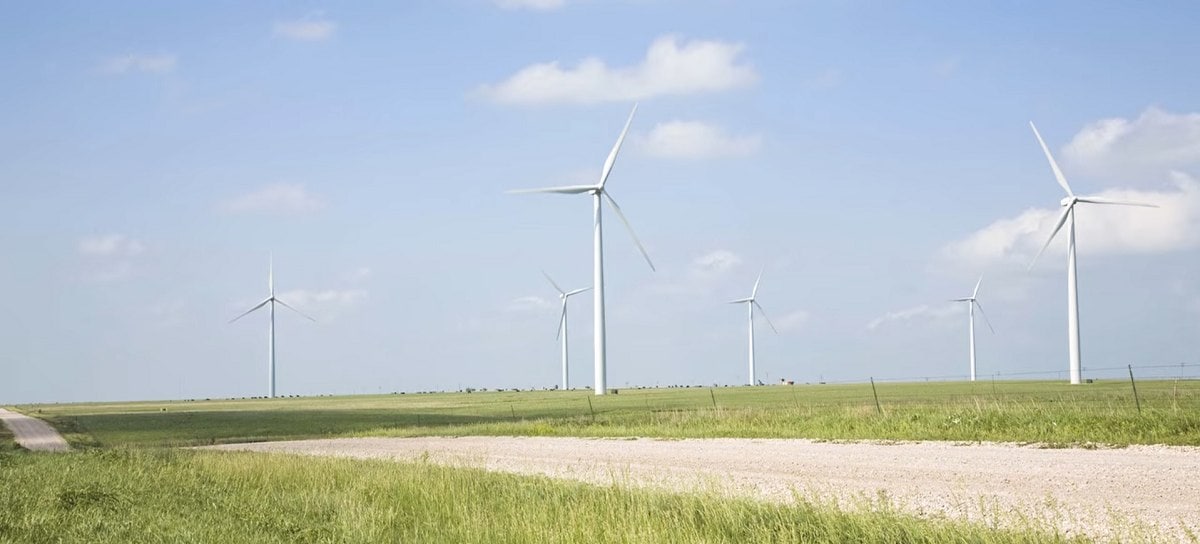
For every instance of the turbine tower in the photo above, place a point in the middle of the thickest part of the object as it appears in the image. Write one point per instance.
(972, 303)
(562, 326)
(599, 193)
(751, 302)
(1068, 214)
(272, 300)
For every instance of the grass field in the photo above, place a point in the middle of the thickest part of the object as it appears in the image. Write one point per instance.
(7, 443)
(154, 495)
(1020, 411)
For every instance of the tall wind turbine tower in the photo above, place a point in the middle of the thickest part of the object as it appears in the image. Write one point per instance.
(751, 302)
(972, 303)
(272, 300)
(562, 326)
(599, 193)
(1068, 215)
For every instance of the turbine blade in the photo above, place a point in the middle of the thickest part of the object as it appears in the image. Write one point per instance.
(247, 312)
(577, 291)
(1058, 175)
(288, 306)
(1102, 200)
(764, 314)
(612, 155)
(551, 280)
(960, 300)
(754, 292)
(985, 319)
(741, 300)
(562, 317)
(975, 293)
(1061, 219)
(566, 189)
(633, 235)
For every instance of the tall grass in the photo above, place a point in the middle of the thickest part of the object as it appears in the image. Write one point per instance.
(1042, 412)
(120, 496)
(7, 443)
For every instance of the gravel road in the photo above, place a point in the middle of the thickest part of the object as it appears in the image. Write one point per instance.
(32, 433)
(1128, 493)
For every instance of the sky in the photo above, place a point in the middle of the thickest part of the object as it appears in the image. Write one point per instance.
(871, 159)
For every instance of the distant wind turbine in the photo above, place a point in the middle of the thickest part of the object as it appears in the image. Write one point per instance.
(1068, 213)
(751, 302)
(562, 326)
(599, 192)
(272, 300)
(972, 303)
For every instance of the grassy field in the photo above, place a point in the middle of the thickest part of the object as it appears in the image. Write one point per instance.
(7, 443)
(1041, 412)
(124, 486)
(155, 495)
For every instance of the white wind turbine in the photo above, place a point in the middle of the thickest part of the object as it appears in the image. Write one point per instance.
(972, 303)
(272, 300)
(562, 326)
(1068, 203)
(599, 193)
(751, 302)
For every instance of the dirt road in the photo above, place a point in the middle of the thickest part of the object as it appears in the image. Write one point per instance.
(1097, 492)
(33, 434)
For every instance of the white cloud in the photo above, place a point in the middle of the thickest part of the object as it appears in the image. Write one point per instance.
(305, 30)
(530, 304)
(671, 67)
(110, 245)
(275, 198)
(1100, 229)
(304, 298)
(923, 312)
(134, 62)
(701, 276)
(325, 305)
(109, 257)
(716, 261)
(537, 5)
(695, 140)
(1142, 149)
(791, 321)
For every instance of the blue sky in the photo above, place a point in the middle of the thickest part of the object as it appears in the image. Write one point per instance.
(875, 158)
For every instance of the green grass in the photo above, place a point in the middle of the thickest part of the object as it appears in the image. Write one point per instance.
(1029, 412)
(7, 443)
(154, 495)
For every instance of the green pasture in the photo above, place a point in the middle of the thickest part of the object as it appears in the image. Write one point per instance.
(163, 495)
(1051, 413)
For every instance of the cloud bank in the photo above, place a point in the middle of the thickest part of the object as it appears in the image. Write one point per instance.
(695, 140)
(671, 67)
(280, 198)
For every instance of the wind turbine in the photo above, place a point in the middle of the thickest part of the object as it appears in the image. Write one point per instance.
(562, 325)
(751, 302)
(1068, 203)
(599, 192)
(972, 303)
(272, 300)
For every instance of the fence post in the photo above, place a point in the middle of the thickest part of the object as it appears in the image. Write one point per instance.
(874, 393)
(714, 397)
(513, 411)
(1135, 395)
(590, 409)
